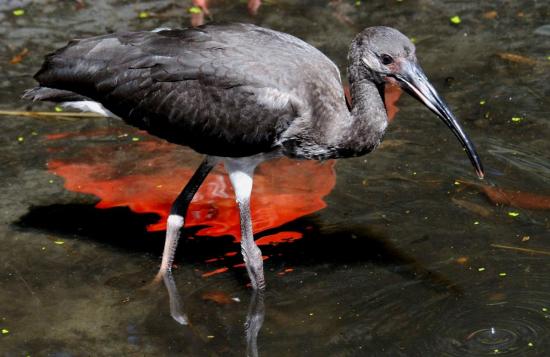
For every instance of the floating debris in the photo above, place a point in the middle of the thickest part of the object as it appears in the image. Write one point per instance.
(502, 274)
(482, 102)
(513, 214)
(59, 242)
(392, 143)
(5, 331)
(20, 139)
(194, 10)
(20, 56)
(456, 20)
(513, 57)
(481, 269)
(58, 109)
(50, 114)
(490, 15)
(18, 12)
(219, 297)
(135, 138)
(517, 119)
(143, 15)
(520, 249)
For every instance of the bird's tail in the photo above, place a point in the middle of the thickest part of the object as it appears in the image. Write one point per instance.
(52, 95)
(67, 99)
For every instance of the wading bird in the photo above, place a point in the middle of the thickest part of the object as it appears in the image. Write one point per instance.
(240, 94)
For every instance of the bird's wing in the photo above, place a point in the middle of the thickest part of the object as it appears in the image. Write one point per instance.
(227, 90)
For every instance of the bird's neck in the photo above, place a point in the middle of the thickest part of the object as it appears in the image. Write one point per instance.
(368, 119)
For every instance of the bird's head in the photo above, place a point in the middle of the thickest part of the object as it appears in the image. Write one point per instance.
(384, 55)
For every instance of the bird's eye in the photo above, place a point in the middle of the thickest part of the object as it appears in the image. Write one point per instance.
(386, 59)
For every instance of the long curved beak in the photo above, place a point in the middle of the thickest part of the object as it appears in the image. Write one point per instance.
(413, 80)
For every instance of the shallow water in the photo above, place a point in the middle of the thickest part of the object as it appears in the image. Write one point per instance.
(398, 253)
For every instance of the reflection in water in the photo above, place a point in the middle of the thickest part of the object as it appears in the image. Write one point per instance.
(198, 17)
(254, 322)
(507, 197)
(146, 175)
(176, 310)
(254, 318)
(142, 178)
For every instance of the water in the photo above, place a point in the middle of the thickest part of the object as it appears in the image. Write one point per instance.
(388, 256)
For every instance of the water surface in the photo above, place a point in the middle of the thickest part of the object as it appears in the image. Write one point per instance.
(392, 254)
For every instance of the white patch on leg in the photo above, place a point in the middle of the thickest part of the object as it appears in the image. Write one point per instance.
(242, 184)
(175, 220)
(89, 106)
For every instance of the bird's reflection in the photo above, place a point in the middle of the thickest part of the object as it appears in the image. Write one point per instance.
(367, 243)
(254, 322)
(254, 318)
(176, 309)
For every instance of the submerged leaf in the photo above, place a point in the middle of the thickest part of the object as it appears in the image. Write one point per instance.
(517, 199)
(472, 207)
(489, 15)
(218, 297)
(20, 56)
(513, 57)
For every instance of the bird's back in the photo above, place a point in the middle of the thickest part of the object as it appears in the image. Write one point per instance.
(227, 90)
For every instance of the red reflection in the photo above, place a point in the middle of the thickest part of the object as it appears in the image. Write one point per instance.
(146, 174)
(392, 93)
(284, 190)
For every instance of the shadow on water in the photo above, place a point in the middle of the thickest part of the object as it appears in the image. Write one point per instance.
(330, 247)
(122, 228)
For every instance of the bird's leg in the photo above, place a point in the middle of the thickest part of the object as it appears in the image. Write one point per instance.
(175, 223)
(241, 173)
(179, 210)
(254, 322)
